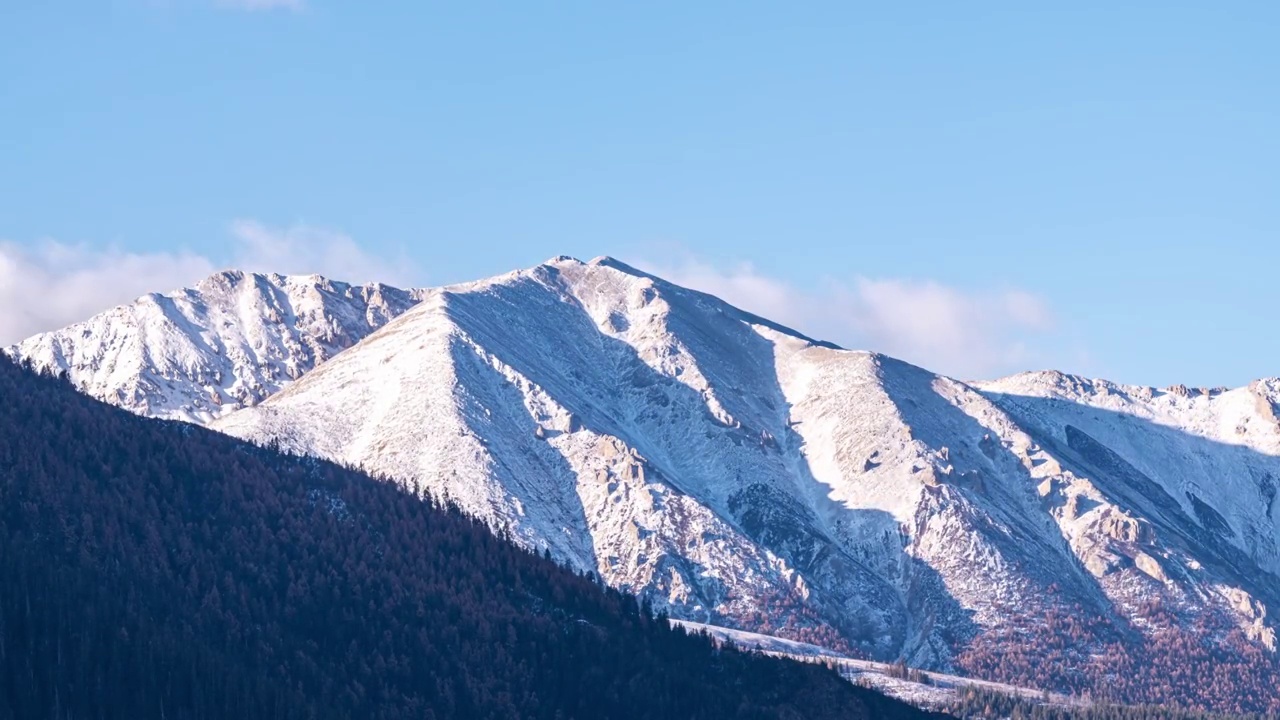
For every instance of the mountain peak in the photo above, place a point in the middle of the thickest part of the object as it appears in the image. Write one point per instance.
(571, 260)
(563, 260)
(230, 341)
(612, 262)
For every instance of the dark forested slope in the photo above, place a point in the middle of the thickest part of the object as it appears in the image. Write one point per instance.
(157, 570)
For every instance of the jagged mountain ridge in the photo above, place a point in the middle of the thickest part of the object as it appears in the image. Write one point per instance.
(1197, 467)
(745, 475)
(231, 341)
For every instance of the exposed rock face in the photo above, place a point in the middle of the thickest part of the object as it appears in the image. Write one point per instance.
(1149, 565)
(1118, 525)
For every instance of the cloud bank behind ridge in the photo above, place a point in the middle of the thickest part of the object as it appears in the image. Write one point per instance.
(53, 284)
(962, 333)
(967, 334)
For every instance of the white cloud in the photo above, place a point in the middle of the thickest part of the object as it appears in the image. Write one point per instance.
(262, 4)
(303, 249)
(52, 284)
(967, 334)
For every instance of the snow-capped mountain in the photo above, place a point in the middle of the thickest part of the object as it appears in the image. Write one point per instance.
(1180, 479)
(741, 474)
(229, 342)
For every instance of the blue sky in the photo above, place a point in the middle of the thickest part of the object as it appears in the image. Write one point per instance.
(977, 187)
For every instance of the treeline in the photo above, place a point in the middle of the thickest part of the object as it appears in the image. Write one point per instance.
(1209, 665)
(983, 704)
(901, 671)
(158, 570)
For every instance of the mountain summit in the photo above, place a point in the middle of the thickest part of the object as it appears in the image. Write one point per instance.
(229, 342)
(1045, 529)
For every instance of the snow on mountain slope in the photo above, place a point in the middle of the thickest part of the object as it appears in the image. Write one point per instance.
(932, 691)
(742, 474)
(231, 341)
(1186, 478)
(739, 473)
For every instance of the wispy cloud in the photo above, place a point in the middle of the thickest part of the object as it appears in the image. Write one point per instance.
(968, 334)
(52, 284)
(304, 249)
(261, 4)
